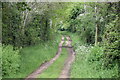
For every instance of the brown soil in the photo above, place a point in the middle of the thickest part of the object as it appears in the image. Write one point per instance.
(45, 65)
(67, 65)
(65, 73)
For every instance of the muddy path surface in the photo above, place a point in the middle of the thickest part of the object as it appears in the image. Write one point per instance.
(45, 65)
(65, 73)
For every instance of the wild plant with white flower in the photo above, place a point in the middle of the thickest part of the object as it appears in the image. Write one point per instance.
(82, 49)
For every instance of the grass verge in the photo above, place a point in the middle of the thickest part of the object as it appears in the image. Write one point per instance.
(32, 57)
(88, 64)
(55, 69)
(89, 61)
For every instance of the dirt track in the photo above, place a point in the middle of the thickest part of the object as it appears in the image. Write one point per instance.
(67, 65)
(65, 73)
(45, 65)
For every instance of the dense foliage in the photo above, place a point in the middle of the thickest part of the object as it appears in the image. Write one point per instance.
(100, 23)
(112, 43)
(19, 35)
(11, 17)
(10, 60)
(91, 64)
(26, 24)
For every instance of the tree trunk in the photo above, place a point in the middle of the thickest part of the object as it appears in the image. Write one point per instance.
(96, 35)
(96, 27)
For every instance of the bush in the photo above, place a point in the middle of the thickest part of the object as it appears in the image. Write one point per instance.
(88, 64)
(10, 61)
(112, 43)
(95, 54)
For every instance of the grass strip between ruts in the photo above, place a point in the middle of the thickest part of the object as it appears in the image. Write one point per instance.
(55, 69)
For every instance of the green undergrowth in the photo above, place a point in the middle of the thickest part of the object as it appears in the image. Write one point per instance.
(89, 60)
(55, 69)
(0, 61)
(11, 61)
(89, 64)
(33, 56)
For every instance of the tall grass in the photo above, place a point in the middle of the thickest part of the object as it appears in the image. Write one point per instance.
(88, 64)
(55, 69)
(32, 57)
